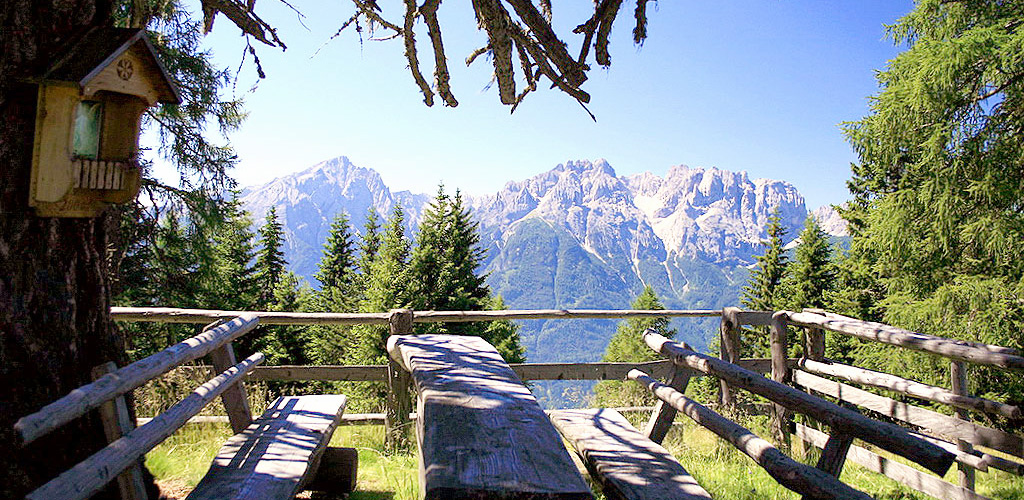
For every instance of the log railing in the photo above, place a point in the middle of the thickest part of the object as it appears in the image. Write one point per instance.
(943, 438)
(128, 444)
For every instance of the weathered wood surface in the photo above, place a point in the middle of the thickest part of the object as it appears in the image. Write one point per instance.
(116, 423)
(664, 414)
(779, 345)
(753, 318)
(525, 371)
(588, 371)
(91, 474)
(346, 419)
(480, 431)
(729, 345)
(936, 423)
(884, 435)
(465, 316)
(972, 458)
(909, 387)
(200, 316)
(795, 476)
(274, 456)
(176, 315)
(958, 382)
(236, 402)
(903, 474)
(972, 352)
(360, 373)
(397, 426)
(111, 385)
(627, 464)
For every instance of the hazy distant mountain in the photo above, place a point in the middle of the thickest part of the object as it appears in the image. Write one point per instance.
(577, 236)
(308, 201)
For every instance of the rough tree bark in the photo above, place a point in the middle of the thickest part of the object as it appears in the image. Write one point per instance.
(54, 295)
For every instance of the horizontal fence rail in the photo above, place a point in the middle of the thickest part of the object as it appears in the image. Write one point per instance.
(111, 385)
(90, 475)
(202, 316)
(973, 352)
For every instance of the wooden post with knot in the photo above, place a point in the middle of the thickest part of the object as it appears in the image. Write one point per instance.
(780, 373)
(399, 401)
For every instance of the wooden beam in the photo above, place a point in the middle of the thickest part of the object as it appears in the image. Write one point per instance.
(116, 423)
(779, 345)
(903, 474)
(480, 431)
(275, 456)
(973, 352)
(753, 318)
(399, 403)
(729, 347)
(958, 381)
(589, 371)
(234, 398)
(360, 373)
(910, 388)
(936, 423)
(93, 473)
(884, 435)
(627, 465)
(795, 476)
(202, 316)
(111, 385)
(661, 418)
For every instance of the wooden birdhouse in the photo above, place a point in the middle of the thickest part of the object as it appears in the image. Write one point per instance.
(90, 106)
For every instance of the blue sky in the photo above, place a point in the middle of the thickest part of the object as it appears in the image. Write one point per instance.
(754, 85)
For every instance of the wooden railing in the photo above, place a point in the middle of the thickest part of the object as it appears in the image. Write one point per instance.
(942, 438)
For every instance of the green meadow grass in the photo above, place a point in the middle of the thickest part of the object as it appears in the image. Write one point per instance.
(721, 469)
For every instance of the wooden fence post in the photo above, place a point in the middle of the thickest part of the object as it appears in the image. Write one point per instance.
(814, 349)
(663, 414)
(958, 379)
(780, 374)
(729, 339)
(236, 402)
(399, 402)
(116, 423)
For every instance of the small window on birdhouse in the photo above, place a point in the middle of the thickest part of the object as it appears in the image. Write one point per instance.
(87, 129)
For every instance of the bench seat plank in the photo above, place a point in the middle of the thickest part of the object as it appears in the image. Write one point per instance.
(481, 432)
(627, 464)
(277, 453)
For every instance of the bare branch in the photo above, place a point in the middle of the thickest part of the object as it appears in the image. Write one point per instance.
(495, 20)
(410, 53)
(243, 17)
(553, 47)
(441, 78)
(640, 30)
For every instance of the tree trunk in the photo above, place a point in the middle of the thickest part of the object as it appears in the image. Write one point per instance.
(54, 295)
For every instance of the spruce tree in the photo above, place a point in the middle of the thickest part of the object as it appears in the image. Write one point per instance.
(813, 275)
(764, 291)
(369, 244)
(627, 345)
(937, 234)
(338, 264)
(270, 262)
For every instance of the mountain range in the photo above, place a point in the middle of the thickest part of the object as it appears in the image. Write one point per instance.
(577, 236)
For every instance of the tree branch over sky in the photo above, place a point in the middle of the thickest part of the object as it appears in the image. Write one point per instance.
(519, 33)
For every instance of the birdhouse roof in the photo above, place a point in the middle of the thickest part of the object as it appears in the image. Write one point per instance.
(99, 48)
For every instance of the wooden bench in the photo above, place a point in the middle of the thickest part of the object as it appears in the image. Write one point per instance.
(277, 454)
(481, 432)
(627, 464)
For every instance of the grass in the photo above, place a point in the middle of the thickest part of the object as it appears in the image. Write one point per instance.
(182, 460)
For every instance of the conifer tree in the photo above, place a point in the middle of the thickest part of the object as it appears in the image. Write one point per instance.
(338, 264)
(627, 345)
(270, 262)
(813, 274)
(764, 291)
(234, 285)
(370, 243)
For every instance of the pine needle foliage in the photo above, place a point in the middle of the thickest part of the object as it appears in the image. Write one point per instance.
(627, 345)
(939, 188)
